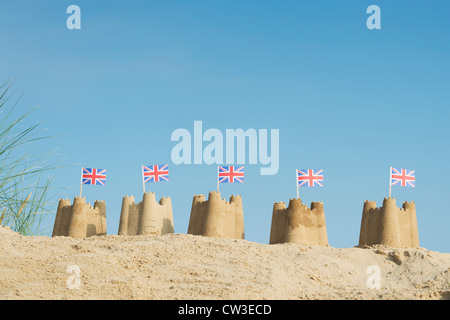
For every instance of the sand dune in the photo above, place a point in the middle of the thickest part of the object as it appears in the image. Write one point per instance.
(182, 266)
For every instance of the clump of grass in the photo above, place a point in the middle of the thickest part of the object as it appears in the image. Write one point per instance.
(24, 190)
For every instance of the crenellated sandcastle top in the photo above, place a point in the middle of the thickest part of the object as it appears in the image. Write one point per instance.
(389, 225)
(147, 217)
(217, 217)
(298, 224)
(80, 220)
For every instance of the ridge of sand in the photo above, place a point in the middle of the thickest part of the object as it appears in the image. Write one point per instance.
(183, 266)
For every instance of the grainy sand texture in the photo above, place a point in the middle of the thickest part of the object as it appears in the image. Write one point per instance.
(183, 266)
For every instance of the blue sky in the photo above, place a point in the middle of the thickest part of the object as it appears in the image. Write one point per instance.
(346, 99)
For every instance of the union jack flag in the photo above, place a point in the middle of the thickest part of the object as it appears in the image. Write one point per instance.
(155, 173)
(403, 177)
(309, 178)
(231, 174)
(93, 176)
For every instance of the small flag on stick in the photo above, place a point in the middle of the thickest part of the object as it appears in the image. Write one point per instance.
(309, 178)
(155, 173)
(402, 177)
(92, 176)
(230, 174)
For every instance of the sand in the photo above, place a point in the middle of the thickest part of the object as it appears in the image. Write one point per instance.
(183, 266)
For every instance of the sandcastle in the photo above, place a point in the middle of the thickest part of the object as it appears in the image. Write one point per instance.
(389, 225)
(298, 224)
(147, 217)
(80, 220)
(217, 217)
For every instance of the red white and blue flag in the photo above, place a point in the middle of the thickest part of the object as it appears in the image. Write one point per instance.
(309, 178)
(403, 177)
(155, 173)
(93, 176)
(231, 174)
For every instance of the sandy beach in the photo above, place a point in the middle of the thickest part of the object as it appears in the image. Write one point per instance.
(183, 266)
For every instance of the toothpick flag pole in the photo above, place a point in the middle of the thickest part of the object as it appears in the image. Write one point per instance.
(81, 182)
(143, 179)
(217, 178)
(296, 181)
(390, 181)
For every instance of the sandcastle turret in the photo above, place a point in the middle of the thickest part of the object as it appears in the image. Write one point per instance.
(62, 218)
(298, 224)
(367, 234)
(80, 220)
(239, 217)
(389, 225)
(125, 215)
(217, 217)
(197, 218)
(147, 217)
(389, 232)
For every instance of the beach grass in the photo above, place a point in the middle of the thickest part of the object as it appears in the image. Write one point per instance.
(26, 175)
